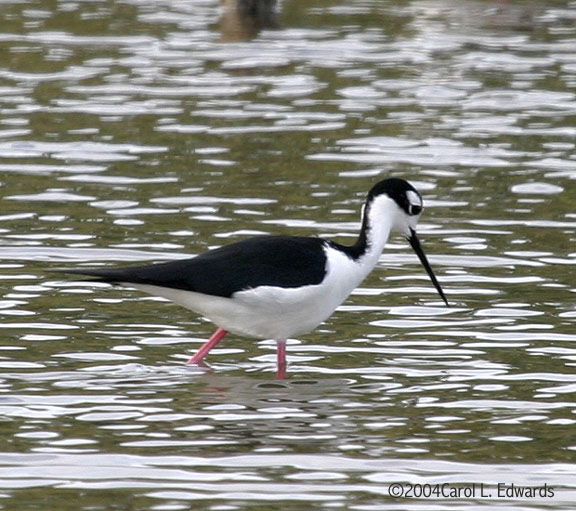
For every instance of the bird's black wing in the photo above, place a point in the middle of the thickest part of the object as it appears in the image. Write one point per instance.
(285, 261)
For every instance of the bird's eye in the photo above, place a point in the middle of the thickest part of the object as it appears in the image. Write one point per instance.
(414, 210)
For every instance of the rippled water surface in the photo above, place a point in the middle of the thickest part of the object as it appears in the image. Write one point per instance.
(141, 131)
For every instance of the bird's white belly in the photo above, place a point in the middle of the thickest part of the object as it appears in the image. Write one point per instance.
(265, 312)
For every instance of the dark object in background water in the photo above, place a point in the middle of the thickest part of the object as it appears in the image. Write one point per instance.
(242, 20)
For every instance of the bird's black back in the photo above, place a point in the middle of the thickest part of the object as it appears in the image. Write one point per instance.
(285, 261)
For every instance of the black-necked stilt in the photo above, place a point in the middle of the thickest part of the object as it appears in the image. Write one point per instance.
(276, 287)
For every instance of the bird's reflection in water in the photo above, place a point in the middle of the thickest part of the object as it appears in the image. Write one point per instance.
(253, 392)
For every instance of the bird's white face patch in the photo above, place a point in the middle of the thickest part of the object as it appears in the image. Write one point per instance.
(413, 198)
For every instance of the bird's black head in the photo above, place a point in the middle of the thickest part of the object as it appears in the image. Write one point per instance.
(401, 192)
(402, 217)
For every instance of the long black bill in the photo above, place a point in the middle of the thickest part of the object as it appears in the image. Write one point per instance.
(415, 244)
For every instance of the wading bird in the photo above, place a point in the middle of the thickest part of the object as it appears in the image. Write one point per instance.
(277, 287)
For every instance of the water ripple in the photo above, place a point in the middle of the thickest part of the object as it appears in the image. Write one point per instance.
(148, 132)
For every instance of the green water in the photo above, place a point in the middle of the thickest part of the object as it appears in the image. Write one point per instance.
(147, 131)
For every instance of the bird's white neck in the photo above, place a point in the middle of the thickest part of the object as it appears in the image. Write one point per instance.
(377, 224)
(378, 218)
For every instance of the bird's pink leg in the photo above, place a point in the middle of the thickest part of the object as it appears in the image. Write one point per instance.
(217, 336)
(281, 359)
